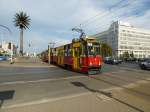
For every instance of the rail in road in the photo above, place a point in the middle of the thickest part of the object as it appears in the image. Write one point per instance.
(129, 67)
(114, 89)
(99, 97)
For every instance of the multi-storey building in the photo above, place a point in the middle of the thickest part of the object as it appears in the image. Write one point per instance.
(122, 37)
(9, 48)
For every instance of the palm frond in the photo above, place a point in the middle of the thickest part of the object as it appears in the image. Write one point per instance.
(21, 20)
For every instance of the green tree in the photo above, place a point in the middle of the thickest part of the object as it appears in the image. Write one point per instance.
(126, 55)
(22, 21)
(0, 53)
(132, 55)
(106, 50)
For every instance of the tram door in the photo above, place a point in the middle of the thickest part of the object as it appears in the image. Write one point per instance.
(76, 60)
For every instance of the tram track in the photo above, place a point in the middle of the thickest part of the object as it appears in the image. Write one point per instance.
(124, 87)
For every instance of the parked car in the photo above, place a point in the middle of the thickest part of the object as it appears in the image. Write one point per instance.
(142, 59)
(110, 60)
(131, 59)
(145, 64)
(120, 60)
(116, 61)
(3, 58)
(107, 60)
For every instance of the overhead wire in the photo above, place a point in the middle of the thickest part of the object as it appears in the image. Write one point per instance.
(90, 20)
(102, 25)
(113, 13)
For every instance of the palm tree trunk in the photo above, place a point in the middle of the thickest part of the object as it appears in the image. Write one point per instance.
(21, 41)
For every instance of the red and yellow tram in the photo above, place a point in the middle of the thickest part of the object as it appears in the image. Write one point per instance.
(81, 55)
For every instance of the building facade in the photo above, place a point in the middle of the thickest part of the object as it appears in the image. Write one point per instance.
(8, 48)
(123, 37)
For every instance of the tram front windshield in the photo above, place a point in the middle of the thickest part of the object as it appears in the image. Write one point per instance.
(93, 49)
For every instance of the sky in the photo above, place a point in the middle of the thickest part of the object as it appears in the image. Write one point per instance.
(52, 20)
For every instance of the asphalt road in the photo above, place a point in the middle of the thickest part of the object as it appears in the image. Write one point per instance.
(126, 84)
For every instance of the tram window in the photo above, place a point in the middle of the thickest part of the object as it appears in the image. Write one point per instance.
(77, 52)
(97, 50)
(62, 53)
(94, 50)
(90, 50)
(83, 51)
(70, 52)
(66, 53)
(59, 53)
(56, 53)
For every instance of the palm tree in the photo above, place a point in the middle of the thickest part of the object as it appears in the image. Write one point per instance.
(22, 21)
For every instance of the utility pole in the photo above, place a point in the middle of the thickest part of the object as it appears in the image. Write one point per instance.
(50, 45)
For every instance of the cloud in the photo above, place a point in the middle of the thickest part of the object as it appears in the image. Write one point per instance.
(136, 12)
(53, 19)
(39, 39)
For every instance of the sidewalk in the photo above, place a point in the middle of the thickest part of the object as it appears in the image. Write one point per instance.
(25, 62)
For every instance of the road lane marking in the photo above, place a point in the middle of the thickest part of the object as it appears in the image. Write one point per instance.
(11, 74)
(135, 70)
(130, 85)
(26, 66)
(46, 100)
(41, 80)
(112, 75)
(100, 96)
(45, 80)
(130, 68)
(103, 97)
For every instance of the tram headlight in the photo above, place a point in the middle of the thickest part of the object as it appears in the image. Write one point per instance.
(99, 63)
(90, 63)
